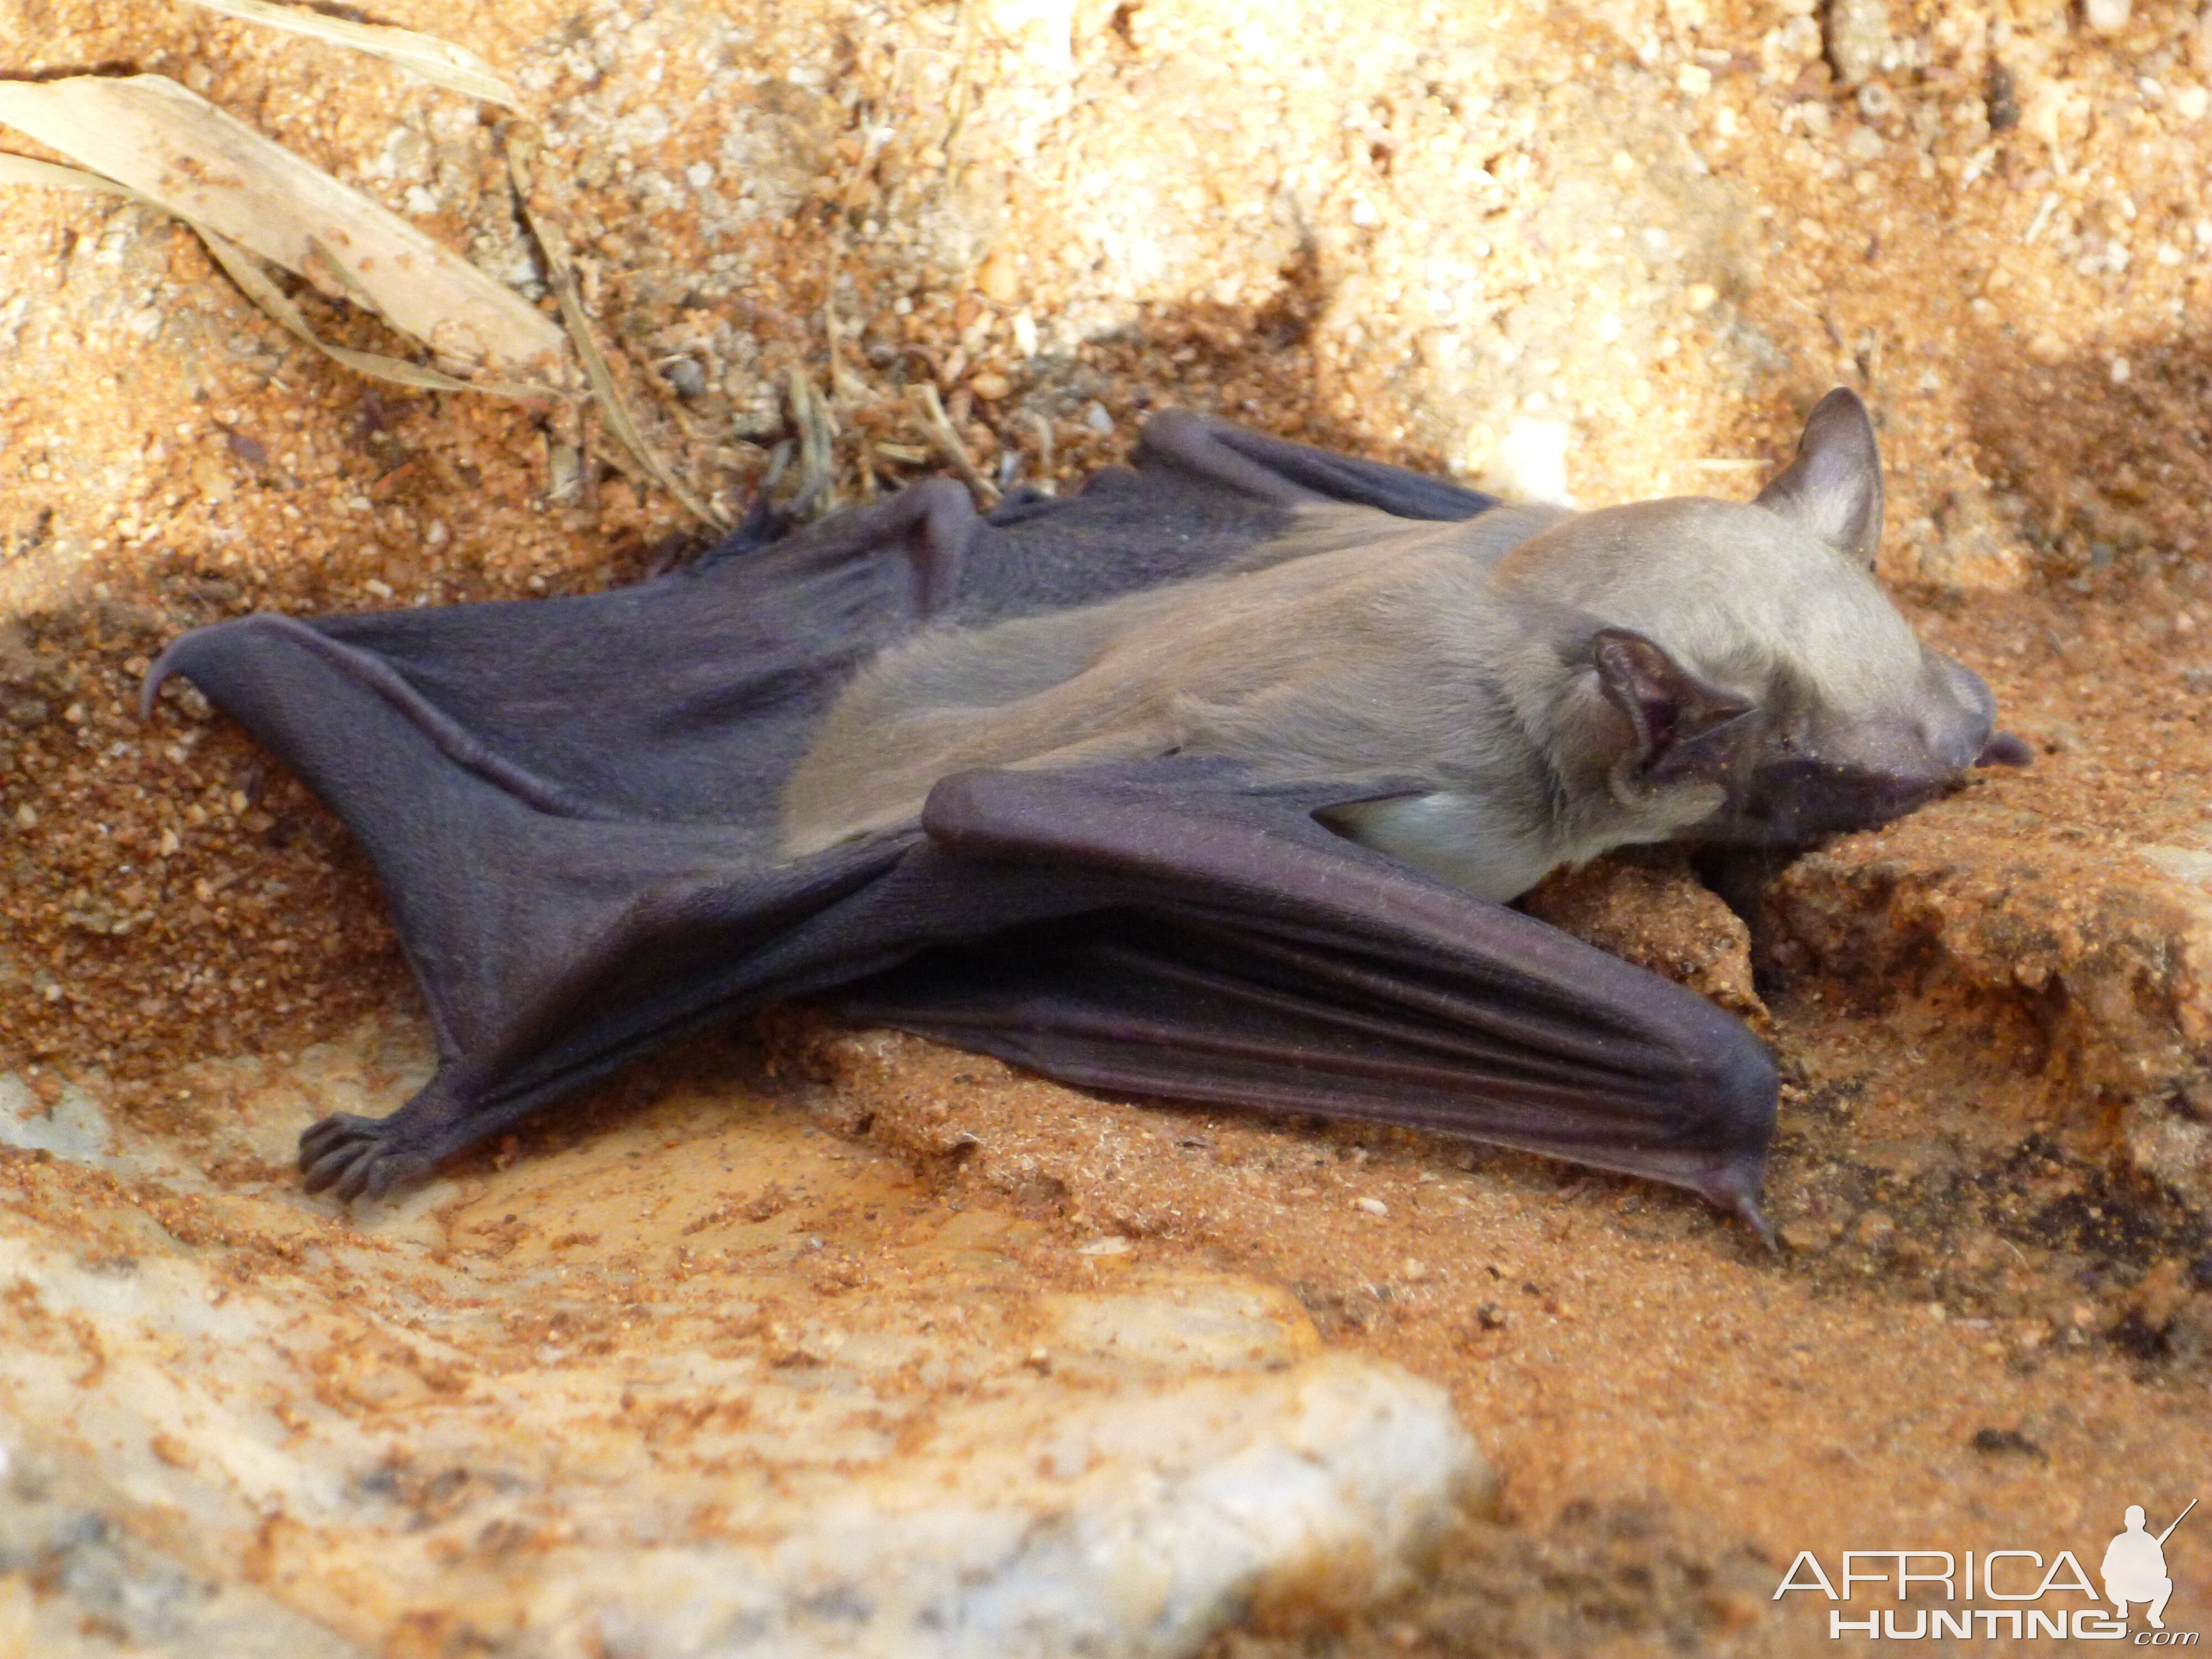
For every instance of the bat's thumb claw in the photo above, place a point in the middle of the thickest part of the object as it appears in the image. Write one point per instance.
(150, 687)
(1733, 1187)
(1752, 1213)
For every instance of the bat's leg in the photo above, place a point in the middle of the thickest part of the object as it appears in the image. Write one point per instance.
(353, 1157)
(763, 525)
(1290, 474)
(931, 522)
(366, 1157)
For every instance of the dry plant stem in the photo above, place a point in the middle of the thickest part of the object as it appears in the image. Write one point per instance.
(817, 491)
(948, 442)
(614, 408)
(843, 382)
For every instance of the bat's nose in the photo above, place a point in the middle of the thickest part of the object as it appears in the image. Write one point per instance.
(1956, 727)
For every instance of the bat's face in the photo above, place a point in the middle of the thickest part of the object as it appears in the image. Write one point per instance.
(1767, 692)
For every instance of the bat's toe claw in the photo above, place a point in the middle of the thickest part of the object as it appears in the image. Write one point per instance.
(338, 1130)
(353, 1157)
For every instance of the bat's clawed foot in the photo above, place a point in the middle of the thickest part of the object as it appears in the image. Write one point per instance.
(353, 1157)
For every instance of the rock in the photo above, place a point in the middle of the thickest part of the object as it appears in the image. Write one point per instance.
(608, 1399)
(686, 377)
(2106, 16)
(1658, 915)
(1965, 547)
(1855, 33)
(2091, 969)
(1531, 462)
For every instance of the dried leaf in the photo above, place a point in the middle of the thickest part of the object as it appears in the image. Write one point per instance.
(23, 170)
(439, 62)
(175, 149)
(240, 266)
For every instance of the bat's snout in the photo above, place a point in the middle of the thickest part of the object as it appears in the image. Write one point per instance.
(1958, 718)
(1972, 739)
(1864, 771)
(1975, 741)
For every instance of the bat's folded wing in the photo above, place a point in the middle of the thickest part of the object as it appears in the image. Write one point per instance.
(1218, 944)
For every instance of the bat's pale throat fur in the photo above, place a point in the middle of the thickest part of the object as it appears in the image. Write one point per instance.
(1537, 685)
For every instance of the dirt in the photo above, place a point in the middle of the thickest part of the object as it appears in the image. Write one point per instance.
(1427, 238)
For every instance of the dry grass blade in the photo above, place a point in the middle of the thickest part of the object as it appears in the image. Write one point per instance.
(23, 170)
(178, 150)
(272, 301)
(439, 61)
(1042, 428)
(948, 443)
(817, 440)
(614, 408)
(240, 266)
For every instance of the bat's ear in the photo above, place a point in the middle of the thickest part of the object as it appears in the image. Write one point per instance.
(1679, 717)
(1833, 488)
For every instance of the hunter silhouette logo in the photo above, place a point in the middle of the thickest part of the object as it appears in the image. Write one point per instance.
(2135, 1566)
(2012, 1595)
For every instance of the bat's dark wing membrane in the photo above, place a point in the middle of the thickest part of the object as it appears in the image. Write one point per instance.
(1243, 953)
(573, 807)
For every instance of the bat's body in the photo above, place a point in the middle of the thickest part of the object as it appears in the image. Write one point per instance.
(1136, 788)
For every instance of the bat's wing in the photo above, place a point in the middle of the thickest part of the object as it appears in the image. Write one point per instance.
(573, 803)
(1234, 949)
(573, 807)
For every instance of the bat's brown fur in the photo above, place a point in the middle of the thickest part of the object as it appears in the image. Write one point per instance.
(1552, 684)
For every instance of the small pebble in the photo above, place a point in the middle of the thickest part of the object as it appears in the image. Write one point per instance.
(1372, 1205)
(2106, 16)
(1856, 33)
(998, 280)
(686, 376)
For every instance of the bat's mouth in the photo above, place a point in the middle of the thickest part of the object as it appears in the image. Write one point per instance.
(1798, 801)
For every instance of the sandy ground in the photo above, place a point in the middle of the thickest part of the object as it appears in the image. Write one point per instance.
(1616, 248)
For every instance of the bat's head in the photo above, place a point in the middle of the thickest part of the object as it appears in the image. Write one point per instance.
(1761, 687)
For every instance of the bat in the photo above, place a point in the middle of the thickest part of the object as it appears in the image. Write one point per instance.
(1208, 781)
